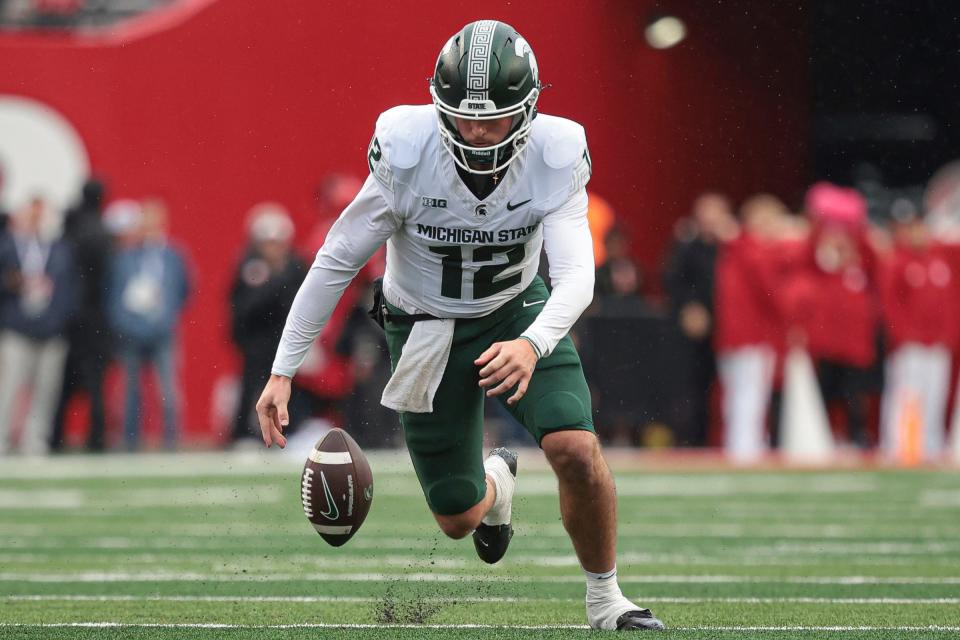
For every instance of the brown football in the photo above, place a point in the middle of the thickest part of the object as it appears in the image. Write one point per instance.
(336, 487)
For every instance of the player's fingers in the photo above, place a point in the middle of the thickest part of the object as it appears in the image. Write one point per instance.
(498, 370)
(508, 383)
(521, 391)
(278, 437)
(266, 422)
(501, 366)
(280, 420)
(487, 355)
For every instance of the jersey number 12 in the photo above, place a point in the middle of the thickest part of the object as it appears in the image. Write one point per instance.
(485, 283)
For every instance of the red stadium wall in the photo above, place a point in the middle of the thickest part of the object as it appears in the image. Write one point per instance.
(216, 105)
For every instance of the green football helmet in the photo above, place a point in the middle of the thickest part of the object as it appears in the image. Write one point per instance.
(484, 72)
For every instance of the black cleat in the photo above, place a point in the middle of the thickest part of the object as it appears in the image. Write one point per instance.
(639, 619)
(491, 541)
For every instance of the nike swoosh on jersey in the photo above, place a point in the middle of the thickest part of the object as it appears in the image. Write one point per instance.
(511, 206)
(530, 304)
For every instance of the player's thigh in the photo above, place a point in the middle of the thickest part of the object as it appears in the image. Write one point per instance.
(446, 445)
(557, 396)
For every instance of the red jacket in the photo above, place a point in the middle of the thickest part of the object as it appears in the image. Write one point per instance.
(835, 310)
(748, 300)
(921, 296)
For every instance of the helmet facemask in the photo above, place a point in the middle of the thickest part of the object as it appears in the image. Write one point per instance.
(493, 158)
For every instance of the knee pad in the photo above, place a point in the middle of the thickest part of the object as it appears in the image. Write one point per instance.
(455, 494)
(558, 410)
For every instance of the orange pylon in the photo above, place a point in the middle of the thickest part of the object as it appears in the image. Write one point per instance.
(911, 433)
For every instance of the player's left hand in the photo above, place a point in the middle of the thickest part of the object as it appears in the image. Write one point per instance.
(507, 365)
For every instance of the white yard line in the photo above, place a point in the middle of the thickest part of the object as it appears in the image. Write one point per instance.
(694, 529)
(231, 538)
(177, 559)
(405, 485)
(320, 625)
(186, 576)
(477, 599)
(193, 497)
(653, 481)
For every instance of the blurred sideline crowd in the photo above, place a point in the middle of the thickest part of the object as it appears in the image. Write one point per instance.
(70, 14)
(871, 309)
(705, 357)
(78, 292)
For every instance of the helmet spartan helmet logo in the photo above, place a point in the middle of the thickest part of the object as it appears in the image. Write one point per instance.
(486, 71)
(481, 210)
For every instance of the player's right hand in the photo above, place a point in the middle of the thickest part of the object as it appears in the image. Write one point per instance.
(272, 410)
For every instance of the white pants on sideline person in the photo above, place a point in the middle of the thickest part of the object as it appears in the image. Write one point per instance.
(746, 375)
(35, 366)
(918, 380)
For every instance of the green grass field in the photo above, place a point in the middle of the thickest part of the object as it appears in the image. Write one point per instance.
(216, 546)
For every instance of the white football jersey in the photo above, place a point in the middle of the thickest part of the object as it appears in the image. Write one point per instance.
(455, 256)
(450, 254)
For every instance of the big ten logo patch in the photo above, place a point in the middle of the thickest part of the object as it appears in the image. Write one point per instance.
(436, 203)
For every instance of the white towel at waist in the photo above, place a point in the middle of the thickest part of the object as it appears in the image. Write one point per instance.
(420, 368)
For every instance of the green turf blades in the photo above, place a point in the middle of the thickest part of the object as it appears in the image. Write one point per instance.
(715, 549)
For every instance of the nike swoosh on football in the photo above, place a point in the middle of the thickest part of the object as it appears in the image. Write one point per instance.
(332, 512)
(530, 304)
(511, 206)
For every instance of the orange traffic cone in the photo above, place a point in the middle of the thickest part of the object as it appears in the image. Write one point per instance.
(910, 450)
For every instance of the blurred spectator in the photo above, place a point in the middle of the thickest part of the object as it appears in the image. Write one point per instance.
(601, 218)
(617, 305)
(922, 321)
(148, 287)
(264, 286)
(4, 216)
(326, 375)
(832, 304)
(88, 334)
(38, 297)
(334, 193)
(749, 323)
(56, 13)
(619, 279)
(689, 282)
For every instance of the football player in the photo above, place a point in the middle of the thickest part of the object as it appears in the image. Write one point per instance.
(465, 192)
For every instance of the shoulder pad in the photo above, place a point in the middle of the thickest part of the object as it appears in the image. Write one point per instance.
(564, 143)
(398, 141)
(402, 132)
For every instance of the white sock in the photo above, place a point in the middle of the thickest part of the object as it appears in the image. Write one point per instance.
(605, 601)
(504, 483)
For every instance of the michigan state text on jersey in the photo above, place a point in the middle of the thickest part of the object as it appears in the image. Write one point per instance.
(465, 192)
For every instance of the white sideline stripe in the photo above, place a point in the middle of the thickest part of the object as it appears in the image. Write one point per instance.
(260, 463)
(72, 499)
(331, 457)
(321, 625)
(474, 599)
(103, 576)
(336, 530)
